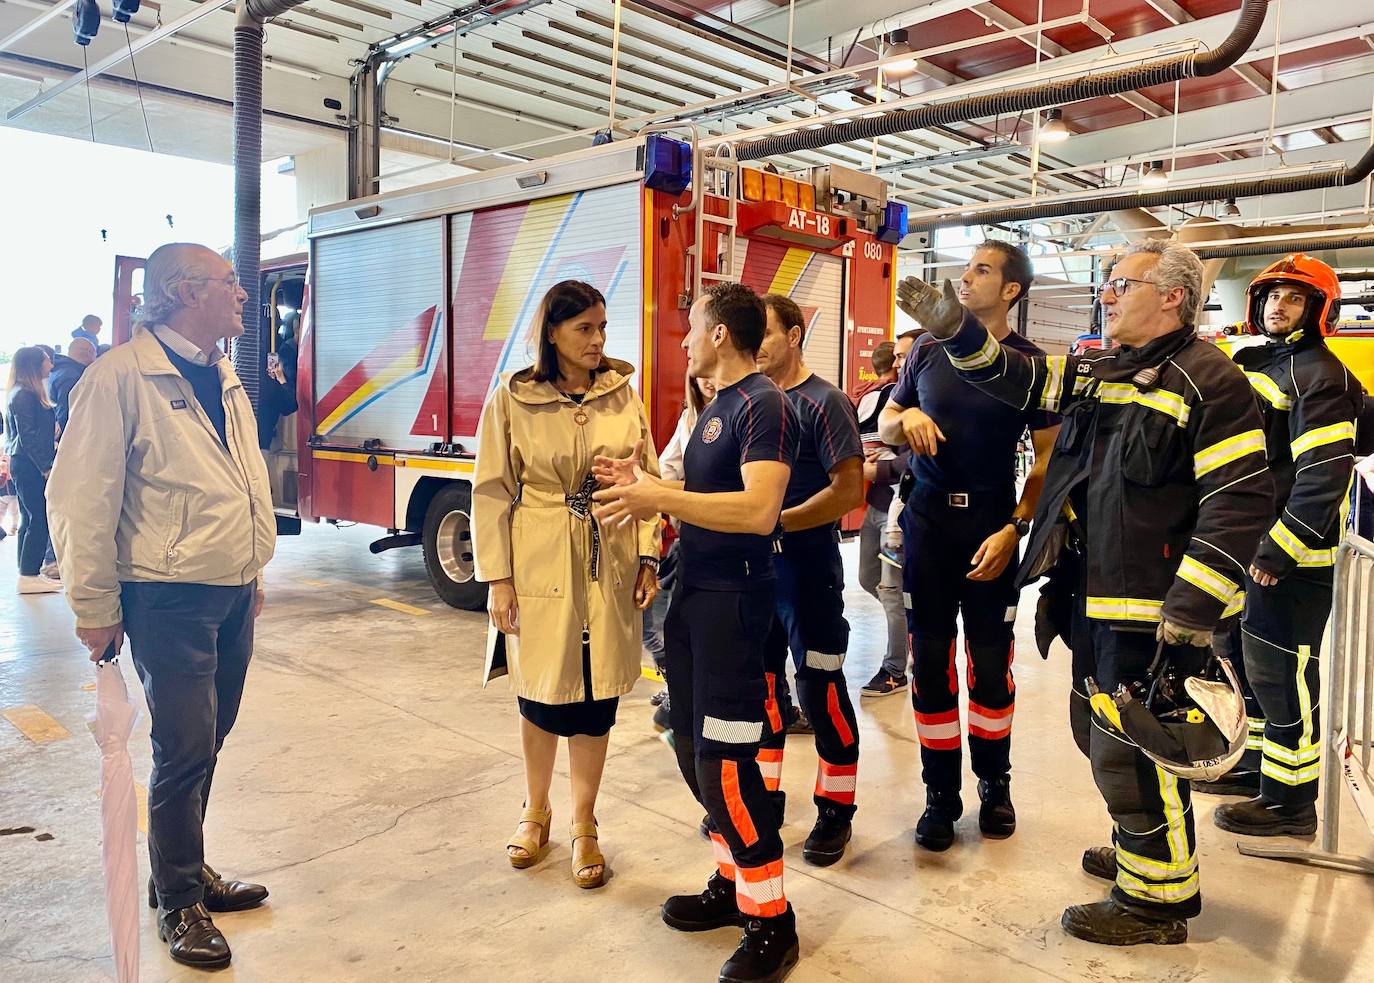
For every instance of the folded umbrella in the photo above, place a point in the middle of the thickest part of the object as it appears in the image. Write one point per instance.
(113, 721)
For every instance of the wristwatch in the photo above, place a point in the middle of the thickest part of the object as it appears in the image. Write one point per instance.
(1021, 526)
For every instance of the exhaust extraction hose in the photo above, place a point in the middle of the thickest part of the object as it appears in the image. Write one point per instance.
(1159, 72)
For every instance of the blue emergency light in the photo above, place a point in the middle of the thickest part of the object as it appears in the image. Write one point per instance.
(85, 21)
(667, 164)
(893, 226)
(123, 10)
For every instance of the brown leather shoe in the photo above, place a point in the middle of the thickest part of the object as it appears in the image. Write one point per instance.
(221, 895)
(192, 938)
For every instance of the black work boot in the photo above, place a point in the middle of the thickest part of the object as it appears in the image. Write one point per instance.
(767, 951)
(1108, 923)
(825, 845)
(192, 938)
(1260, 817)
(714, 907)
(1235, 782)
(935, 830)
(1100, 861)
(997, 816)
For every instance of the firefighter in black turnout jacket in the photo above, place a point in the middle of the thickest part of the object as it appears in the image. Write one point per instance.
(1309, 402)
(1156, 496)
(826, 484)
(962, 525)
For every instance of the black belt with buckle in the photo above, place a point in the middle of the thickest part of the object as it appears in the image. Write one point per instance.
(958, 500)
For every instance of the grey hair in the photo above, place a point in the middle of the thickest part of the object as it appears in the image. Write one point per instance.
(1178, 266)
(168, 266)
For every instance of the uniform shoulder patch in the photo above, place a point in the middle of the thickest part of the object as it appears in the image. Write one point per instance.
(711, 431)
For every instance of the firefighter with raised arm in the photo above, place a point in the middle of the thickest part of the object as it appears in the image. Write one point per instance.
(1157, 493)
(1309, 402)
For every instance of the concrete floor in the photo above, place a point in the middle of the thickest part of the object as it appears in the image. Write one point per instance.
(371, 784)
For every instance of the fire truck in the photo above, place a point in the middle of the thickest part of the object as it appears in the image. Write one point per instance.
(414, 302)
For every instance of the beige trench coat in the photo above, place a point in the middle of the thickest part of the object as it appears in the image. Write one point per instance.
(532, 453)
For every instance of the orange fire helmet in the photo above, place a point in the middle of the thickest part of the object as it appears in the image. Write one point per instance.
(1323, 309)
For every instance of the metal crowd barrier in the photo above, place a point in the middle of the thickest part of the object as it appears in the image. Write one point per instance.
(1347, 709)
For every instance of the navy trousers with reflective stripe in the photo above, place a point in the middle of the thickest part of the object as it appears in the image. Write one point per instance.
(714, 647)
(1151, 810)
(1281, 638)
(1227, 645)
(812, 627)
(940, 540)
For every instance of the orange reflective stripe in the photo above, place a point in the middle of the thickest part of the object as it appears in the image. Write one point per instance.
(939, 731)
(953, 672)
(832, 705)
(771, 704)
(759, 892)
(836, 782)
(991, 725)
(734, 803)
(770, 767)
(725, 860)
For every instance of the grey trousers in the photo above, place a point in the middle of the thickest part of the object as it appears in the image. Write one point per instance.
(884, 582)
(191, 645)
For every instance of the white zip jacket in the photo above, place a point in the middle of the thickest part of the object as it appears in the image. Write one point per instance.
(143, 489)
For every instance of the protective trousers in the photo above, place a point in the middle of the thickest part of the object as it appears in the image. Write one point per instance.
(1281, 639)
(1227, 645)
(716, 691)
(942, 533)
(811, 625)
(1151, 809)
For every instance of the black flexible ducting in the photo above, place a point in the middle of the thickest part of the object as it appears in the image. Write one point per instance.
(1135, 198)
(1159, 72)
(1356, 240)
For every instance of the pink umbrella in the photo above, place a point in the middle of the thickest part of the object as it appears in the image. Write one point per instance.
(113, 722)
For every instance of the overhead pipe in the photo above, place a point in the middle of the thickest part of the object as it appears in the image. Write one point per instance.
(1335, 177)
(249, 21)
(1350, 240)
(1012, 102)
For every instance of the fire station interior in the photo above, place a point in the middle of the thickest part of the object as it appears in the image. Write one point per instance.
(451, 161)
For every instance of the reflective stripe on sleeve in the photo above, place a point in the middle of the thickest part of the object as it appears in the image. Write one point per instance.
(983, 358)
(1207, 580)
(1270, 390)
(1321, 436)
(1124, 609)
(1223, 452)
(1054, 382)
(1298, 550)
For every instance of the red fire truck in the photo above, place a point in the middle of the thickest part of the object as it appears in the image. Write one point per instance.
(416, 301)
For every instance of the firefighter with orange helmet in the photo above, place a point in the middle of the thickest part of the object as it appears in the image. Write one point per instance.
(1309, 402)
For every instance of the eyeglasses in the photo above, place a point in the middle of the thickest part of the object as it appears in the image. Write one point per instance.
(1119, 285)
(231, 281)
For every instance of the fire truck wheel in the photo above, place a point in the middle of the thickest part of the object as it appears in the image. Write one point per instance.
(448, 549)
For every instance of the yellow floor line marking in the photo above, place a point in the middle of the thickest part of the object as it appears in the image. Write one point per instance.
(652, 674)
(387, 602)
(315, 583)
(34, 724)
(88, 688)
(141, 794)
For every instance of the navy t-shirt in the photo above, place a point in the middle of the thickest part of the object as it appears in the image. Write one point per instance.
(827, 433)
(981, 433)
(749, 421)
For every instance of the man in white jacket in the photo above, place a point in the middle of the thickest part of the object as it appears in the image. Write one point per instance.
(162, 518)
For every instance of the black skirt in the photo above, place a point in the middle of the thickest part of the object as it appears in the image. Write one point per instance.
(590, 718)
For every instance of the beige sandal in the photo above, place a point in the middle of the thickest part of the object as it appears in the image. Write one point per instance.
(542, 818)
(593, 859)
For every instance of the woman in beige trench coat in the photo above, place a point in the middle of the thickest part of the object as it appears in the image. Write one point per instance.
(567, 593)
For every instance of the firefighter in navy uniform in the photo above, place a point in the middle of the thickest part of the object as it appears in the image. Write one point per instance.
(826, 484)
(962, 525)
(1309, 402)
(1156, 493)
(736, 467)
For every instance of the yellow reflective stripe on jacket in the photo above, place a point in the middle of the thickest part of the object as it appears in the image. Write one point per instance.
(1054, 382)
(1223, 452)
(1320, 436)
(1270, 390)
(1298, 550)
(1082, 382)
(1205, 579)
(1124, 609)
(983, 358)
(1234, 606)
(1162, 400)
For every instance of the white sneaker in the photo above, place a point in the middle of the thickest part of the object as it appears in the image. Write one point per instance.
(39, 585)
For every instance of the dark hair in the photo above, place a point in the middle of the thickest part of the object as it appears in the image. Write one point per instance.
(565, 300)
(913, 334)
(741, 311)
(1016, 265)
(884, 357)
(787, 311)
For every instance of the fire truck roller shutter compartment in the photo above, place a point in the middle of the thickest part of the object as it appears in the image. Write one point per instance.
(504, 260)
(816, 282)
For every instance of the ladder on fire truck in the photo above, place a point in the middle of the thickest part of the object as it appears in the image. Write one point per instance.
(715, 173)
